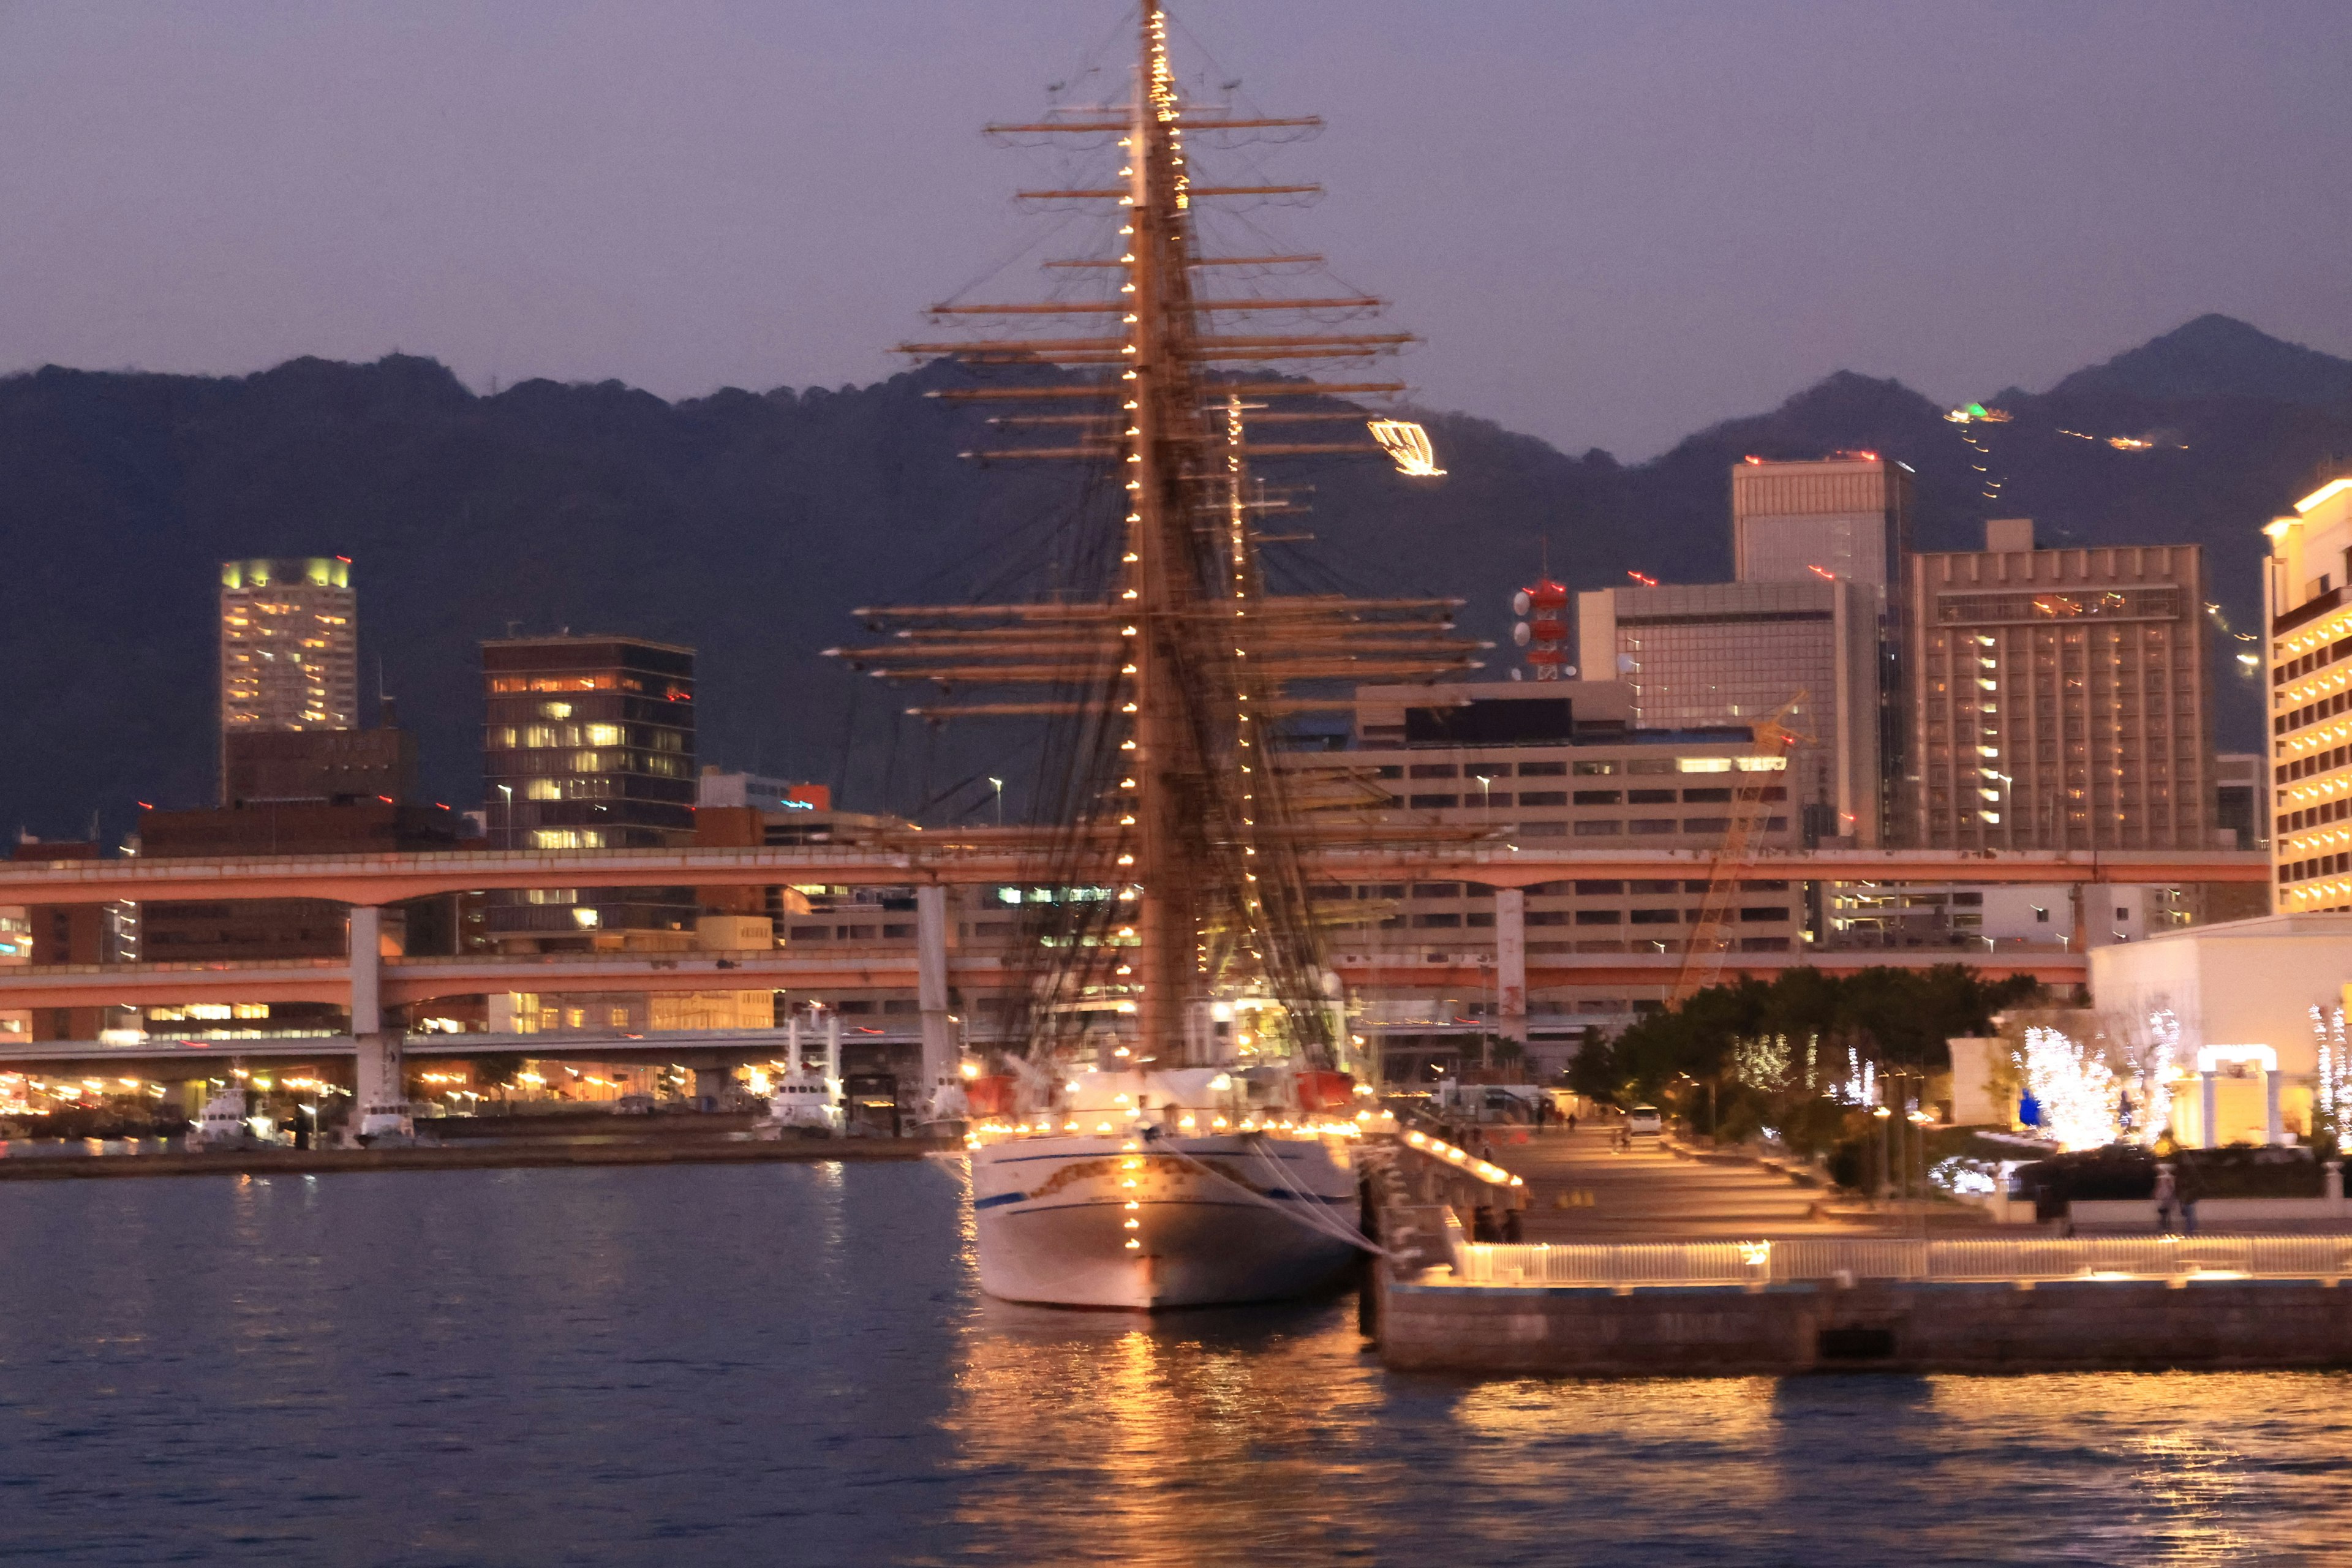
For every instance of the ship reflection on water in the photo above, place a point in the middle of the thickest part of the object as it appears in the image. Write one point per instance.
(1211, 1435)
(766, 1364)
(1269, 1435)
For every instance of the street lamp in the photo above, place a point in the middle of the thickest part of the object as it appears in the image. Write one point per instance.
(999, 785)
(508, 791)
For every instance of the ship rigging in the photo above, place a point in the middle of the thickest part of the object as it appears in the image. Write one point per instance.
(1178, 920)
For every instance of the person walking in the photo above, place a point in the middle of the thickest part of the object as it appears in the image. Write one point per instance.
(2189, 1186)
(2167, 1198)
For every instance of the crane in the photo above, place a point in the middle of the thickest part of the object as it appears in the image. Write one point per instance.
(1750, 813)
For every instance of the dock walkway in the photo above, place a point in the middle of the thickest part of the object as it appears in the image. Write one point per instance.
(1653, 1194)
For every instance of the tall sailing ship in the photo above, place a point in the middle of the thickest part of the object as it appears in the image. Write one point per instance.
(1180, 1124)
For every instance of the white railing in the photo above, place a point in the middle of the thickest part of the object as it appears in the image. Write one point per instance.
(1724, 1263)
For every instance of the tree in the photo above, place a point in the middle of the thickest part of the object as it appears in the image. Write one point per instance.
(496, 1070)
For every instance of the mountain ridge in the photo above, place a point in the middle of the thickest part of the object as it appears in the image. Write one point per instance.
(748, 523)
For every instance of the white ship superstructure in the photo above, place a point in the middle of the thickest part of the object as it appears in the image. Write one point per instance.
(1165, 1189)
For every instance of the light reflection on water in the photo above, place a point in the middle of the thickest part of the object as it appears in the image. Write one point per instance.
(791, 1363)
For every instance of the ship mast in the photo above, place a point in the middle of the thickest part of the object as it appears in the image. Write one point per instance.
(1164, 443)
(1184, 877)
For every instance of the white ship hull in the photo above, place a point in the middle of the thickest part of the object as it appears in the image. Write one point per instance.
(1052, 1216)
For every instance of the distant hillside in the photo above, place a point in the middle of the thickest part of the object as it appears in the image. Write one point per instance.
(2216, 356)
(750, 524)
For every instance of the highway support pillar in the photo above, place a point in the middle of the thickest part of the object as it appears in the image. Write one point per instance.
(710, 1087)
(379, 1085)
(2273, 1126)
(942, 1095)
(2208, 1098)
(364, 949)
(1511, 964)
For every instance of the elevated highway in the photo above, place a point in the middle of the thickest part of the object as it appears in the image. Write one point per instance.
(1015, 855)
(406, 982)
(370, 986)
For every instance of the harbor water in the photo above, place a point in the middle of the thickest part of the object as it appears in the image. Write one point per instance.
(748, 1363)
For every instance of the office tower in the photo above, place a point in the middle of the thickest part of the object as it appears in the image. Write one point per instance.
(1844, 518)
(289, 649)
(1736, 653)
(2058, 698)
(1847, 516)
(589, 744)
(2309, 614)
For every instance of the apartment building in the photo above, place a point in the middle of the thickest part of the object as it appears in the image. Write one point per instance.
(2309, 619)
(2059, 697)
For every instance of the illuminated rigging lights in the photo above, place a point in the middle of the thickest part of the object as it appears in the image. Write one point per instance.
(1408, 445)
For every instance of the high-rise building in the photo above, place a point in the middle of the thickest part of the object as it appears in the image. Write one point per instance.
(1737, 653)
(589, 744)
(2058, 698)
(2309, 616)
(289, 647)
(1846, 517)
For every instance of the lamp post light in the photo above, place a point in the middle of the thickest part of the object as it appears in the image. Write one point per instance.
(998, 784)
(508, 791)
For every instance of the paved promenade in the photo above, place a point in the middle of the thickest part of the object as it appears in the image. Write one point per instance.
(1651, 1194)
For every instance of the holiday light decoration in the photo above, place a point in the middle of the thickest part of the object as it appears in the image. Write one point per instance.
(1860, 1084)
(2158, 1069)
(1762, 1062)
(2075, 1086)
(2331, 1091)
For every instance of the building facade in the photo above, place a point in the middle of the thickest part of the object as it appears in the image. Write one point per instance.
(1738, 653)
(2242, 799)
(2059, 697)
(290, 649)
(2309, 617)
(322, 766)
(1558, 764)
(588, 743)
(1846, 517)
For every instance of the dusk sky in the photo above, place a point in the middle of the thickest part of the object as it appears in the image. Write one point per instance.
(1612, 222)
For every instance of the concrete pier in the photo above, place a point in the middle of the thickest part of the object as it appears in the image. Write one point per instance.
(1431, 1324)
(1661, 1262)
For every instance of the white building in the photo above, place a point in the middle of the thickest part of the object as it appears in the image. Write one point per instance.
(2245, 995)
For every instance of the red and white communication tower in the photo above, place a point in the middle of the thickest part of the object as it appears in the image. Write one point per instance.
(1542, 609)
